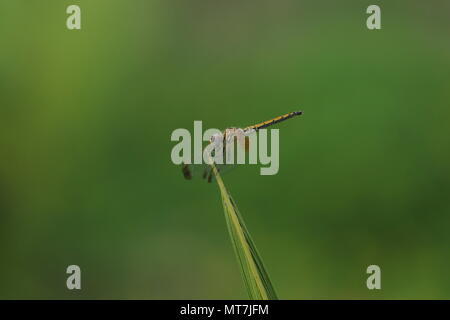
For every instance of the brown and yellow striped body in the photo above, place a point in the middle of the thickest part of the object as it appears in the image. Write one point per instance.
(270, 122)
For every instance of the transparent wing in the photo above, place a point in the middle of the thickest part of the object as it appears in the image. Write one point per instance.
(204, 170)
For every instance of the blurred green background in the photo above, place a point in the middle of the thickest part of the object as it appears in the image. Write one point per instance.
(85, 124)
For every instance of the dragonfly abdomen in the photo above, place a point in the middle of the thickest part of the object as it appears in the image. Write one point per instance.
(273, 121)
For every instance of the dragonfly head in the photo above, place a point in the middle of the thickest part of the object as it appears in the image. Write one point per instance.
(216, 138)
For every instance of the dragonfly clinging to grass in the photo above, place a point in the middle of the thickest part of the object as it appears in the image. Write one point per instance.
(190, 170)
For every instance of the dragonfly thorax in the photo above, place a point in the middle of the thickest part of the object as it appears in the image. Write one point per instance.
(216, 138)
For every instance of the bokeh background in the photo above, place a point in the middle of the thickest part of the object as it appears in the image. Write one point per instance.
(85, 124)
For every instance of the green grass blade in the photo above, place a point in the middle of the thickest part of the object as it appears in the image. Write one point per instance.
(255, 277)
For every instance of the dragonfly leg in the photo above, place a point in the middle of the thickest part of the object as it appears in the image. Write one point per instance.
(186, 171)
(210, 176)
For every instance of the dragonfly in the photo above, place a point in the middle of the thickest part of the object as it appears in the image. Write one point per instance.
(190, 170)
